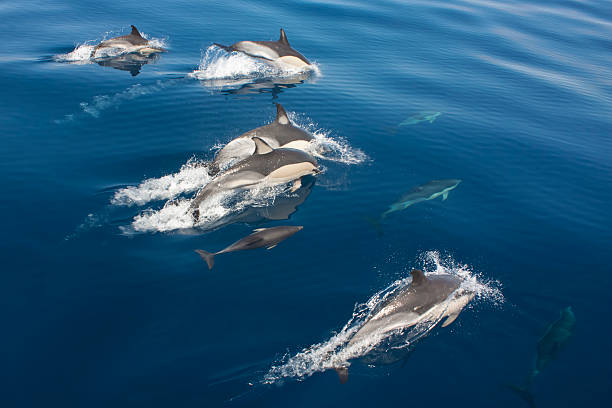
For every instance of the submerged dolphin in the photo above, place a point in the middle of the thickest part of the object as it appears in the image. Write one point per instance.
(550, 344)
(421, 117)
(428, 298)
(267, 166)
(428, 191)
(279, 134)
(261, 237)
(131, 42)
(273, 51)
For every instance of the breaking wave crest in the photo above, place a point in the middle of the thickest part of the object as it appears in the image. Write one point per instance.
(221, 70)
(82, 51)
(336, 352)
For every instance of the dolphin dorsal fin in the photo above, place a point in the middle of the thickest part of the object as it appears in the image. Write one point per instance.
(135, 32)
(261, 147)
(281, 115)
(418, 277)
(283, 38)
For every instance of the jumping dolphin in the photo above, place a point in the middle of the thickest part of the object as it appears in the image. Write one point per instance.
(272, 51)
(279, 134)
(428, 298)
(428, 191)
(261, 237)
(552, 342)
(267, 166)
(420, 117)
(131, 42)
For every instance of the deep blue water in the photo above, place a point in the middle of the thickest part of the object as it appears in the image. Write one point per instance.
(104, 304)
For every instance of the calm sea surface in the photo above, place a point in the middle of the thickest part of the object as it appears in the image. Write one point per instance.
(103, 301)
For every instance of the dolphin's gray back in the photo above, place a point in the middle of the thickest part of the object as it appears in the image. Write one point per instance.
(263, 238)
(282, 133)
(421, 298)
(281, 49)
(265, 164)
(426, 190)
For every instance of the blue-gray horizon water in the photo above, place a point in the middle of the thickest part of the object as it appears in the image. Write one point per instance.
(105, 301)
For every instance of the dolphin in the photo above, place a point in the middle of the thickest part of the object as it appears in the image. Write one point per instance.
(427, 299)
(261, 237)
(279, 134)
(271, 51)
(267, 166)
(420, 117)
(557, 334)
(131, 42)
(428, 191)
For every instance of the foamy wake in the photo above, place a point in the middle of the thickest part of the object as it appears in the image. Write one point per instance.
(335, 352)
(100, 103)
(193, 176)
(175, 214)
(82, 52)
(219, 70)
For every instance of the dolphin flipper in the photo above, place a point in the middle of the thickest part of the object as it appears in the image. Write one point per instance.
(451, 318)
(445, 195)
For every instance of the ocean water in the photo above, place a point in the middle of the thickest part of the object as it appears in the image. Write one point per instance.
(104, 301)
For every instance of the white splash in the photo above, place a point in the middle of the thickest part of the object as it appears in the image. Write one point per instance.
(219, 70)
(192, 176)
(175, 214)
(325, 146)
(335, 352)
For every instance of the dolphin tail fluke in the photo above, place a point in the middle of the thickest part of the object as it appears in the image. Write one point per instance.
(224, 47)
(342, 374)
(524, 393)
(207, 256)
(377, 224)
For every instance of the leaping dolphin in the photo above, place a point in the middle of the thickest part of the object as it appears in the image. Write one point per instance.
(131, 42)
(267, 166)
(261, 237)
(428, 298)
(271, 51)
(279, 134)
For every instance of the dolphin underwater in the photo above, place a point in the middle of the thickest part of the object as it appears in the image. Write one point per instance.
(132, 42)
(279, 134)
(261, 237)
(420, 117)
(428, 191)
(267, 166)
(271, 51)
(428, 298)
(548, 348)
